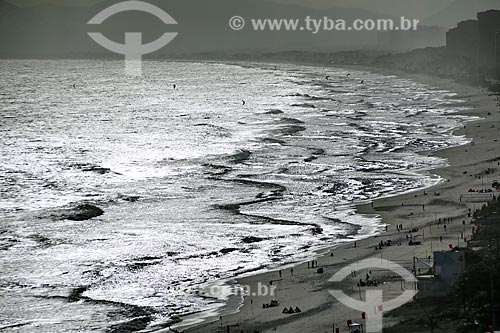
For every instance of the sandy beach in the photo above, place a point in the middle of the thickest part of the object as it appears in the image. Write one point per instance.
(440, 215)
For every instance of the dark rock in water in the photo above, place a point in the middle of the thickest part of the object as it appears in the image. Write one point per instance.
(270, 195)
(140, 317)
(291, 121)
(251, 239)
(150, 258)
(76, 294)
(291, 129)
(272, 140)
(81, 212)
(317, 151)
(335, 188)
(143, 262)
(41, 240)
(130, 198)
(228, 250)
(134, 325)
(275, 111)
(241, 156)
(305, 105)
(139, 265)
(85, 212)
(99, 170)
(7, 243)
(87, 167)
(317, 230)
(218, 169)
(230, 207)
(216, 166)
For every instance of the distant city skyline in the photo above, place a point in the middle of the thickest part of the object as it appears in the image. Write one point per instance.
(42, 31)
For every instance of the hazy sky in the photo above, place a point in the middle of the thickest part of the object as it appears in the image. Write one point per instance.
(417, 8)
(24, 3)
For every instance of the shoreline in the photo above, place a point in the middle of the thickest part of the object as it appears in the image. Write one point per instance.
(241, 315)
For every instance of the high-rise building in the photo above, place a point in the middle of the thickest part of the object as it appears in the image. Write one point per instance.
(498, 54)
(489, 25)
(463, 41)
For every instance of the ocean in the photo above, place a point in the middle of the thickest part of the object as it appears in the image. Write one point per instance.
(239, 168)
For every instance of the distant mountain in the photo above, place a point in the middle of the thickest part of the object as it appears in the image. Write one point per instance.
(58, 31)
(461, 10)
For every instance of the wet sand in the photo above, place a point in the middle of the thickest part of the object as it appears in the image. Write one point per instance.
(307, 289)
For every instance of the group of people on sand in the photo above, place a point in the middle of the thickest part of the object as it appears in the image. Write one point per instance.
(274, 303)
(412, 240)
(446, 220)
(368, 282)
(383, 244)
(312, 264)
